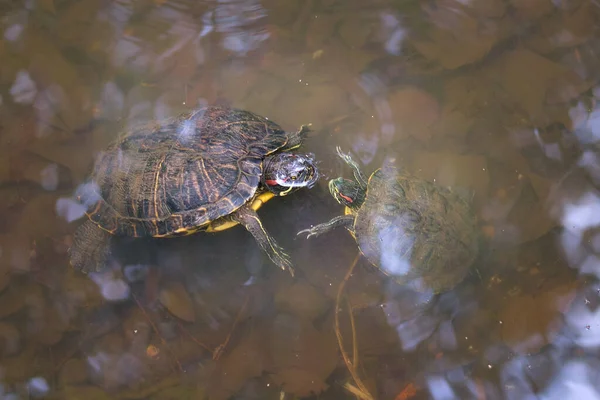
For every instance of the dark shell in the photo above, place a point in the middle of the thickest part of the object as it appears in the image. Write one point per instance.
(415, 230)
(180, 174)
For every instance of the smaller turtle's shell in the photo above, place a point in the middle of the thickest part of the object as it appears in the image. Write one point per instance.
(176, 176)
(413, 229)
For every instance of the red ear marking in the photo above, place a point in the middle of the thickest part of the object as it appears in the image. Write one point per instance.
(348, 199)
(271, 182)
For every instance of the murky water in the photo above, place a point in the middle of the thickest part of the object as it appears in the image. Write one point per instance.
(495, 99)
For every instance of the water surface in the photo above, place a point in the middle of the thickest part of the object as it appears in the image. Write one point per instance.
(493, 98)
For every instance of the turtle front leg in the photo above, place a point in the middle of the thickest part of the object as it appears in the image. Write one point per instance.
(248, 218)
(296, 138)
(91, 249)
(345, 221)
(358, 175)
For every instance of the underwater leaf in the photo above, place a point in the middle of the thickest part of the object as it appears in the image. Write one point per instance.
(565, 29)
(530, 321)
(532, 9)
(302, 356)
(34, 168)
(300, 382)
(85, 392)
(10, 339)
(76, 154)
(20, 367)
(453, 170)
(531, 216)
(452, 122)
(245, 360)
(355, 30)
(414, 111)
(73, 372)
(11, 301)
(177, 300)
(4, 168)
(39, 218)
(301, 299)
(47, 323)
(77, 17)
(181, 392)
(47, 6)
(528, 79)
(16, 254)
(455, 49)
(310, 104)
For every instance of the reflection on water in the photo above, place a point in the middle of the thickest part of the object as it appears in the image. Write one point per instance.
(498, 99)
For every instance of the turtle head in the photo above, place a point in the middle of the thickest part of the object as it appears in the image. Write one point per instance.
(347, 192)
(285, 173)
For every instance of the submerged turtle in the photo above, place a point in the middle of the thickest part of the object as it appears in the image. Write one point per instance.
(416, 232)
(209, 169)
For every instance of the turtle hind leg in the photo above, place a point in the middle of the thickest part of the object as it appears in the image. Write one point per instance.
(341, 221)
(358, 175)
(248, 218)
(91, 249)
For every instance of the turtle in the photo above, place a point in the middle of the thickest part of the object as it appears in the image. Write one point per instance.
(207, 169)
(420, 234)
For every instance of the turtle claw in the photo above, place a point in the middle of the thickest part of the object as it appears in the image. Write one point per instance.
(355, 168)
(344, 156)
(311, 232)
(283, 260)
(341, 154)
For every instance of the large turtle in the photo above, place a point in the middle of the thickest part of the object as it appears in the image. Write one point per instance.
(209, 169)
(416, 232)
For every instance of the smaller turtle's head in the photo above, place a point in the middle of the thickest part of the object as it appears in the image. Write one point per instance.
(347, 192)
(285, 173)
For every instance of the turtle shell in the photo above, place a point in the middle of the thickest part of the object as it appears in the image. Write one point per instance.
(176, 176)
(415, 231)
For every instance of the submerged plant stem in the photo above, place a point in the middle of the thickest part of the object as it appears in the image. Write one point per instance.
(361, 390)
(221, 348)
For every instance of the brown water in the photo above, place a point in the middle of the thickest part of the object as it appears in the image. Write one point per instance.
(496, 97)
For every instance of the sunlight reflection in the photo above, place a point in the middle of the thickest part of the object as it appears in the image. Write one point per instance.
(393, 32)
(236, 19)
(440, 389)
(24, 89)
(112, 288)
(576, 380)
(13, 32)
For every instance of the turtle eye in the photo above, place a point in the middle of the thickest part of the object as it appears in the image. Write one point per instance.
(293, 177)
